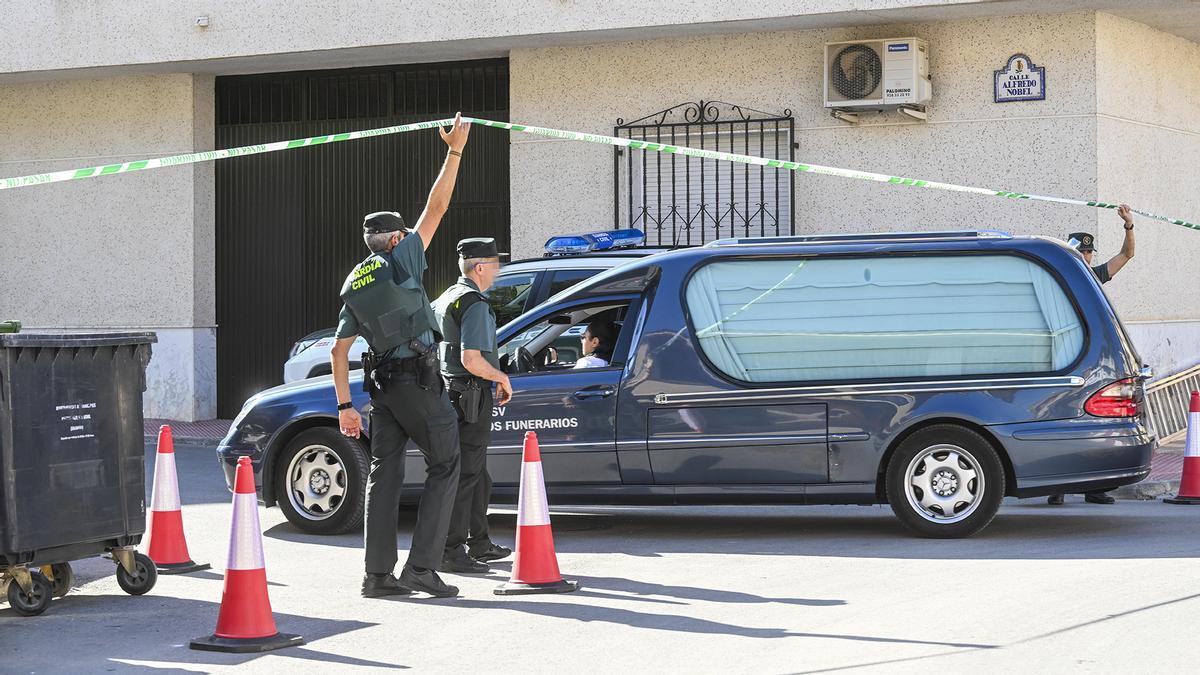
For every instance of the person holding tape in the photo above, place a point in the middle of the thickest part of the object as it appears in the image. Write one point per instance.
(470, 366)
(1086, 245)
(385, 302)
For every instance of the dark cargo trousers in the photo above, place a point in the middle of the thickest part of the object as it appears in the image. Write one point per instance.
(403, 411)
(468, 522)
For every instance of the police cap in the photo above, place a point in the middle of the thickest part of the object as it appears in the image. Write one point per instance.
(477, 247)
(1086, 241)
(382, 222)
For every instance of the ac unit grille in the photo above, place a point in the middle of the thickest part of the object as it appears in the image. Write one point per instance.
(856, 72)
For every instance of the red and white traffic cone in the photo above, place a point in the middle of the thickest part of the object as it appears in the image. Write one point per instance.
(1189, 481)
(245, 622)
(535, 567)
(165, 543)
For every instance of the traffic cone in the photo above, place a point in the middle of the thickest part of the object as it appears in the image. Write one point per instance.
(535, 567)
(166, 544)
(1189, 482)
(245, 623)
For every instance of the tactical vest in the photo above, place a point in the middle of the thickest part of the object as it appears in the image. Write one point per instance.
(460, 298)
(389, 315)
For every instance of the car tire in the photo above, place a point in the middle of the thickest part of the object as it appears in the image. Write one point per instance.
(320, 481)
(945, 481)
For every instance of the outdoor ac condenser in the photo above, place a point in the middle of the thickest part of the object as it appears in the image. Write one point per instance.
(877, 74)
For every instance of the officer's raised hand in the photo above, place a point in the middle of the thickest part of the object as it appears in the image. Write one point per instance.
(456, 138)
(443, 187)
(350, 422)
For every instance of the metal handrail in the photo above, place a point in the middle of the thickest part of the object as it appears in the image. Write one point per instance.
(1167, 401)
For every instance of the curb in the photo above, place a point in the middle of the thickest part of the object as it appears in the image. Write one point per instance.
(201, 441)
(1147, 490)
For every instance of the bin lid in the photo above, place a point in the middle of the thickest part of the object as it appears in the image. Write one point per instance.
(76, 339)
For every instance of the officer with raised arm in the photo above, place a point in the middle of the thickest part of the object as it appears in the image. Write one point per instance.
(385, 302)
(1085, 243)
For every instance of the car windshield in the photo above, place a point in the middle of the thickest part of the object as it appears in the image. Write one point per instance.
(627, 282)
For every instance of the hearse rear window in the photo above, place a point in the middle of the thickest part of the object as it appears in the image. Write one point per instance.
(784, 320)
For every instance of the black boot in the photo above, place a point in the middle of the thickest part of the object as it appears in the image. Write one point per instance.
(458, 561)
(489, 552)
(380, 585)
(1054, 500)
(426, 581)
(1098, 498)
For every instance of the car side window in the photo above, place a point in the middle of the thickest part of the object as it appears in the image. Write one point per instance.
(508, 295)
(795, 320)
(564, 279)
(555, 343)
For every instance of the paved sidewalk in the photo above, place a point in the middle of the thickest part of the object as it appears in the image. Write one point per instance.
(1165, 469)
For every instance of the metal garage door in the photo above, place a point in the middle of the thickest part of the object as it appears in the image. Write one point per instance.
(287, 222)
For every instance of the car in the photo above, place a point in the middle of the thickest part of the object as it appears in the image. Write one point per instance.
(934, 372)
(520, 286)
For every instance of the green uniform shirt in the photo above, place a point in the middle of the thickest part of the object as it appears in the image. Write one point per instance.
(478, 330)
(409, 254)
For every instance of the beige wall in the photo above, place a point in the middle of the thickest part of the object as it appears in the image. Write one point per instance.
(129, 251)
(1148, 148)
(1148, 140)
(102, 33)
(968, 138)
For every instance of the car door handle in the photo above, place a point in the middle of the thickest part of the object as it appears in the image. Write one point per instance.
(595, 392)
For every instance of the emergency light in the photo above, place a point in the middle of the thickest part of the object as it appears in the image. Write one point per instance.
(596, 241)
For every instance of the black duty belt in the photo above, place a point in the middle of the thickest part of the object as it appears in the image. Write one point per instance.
(409, 366)
(463, 382)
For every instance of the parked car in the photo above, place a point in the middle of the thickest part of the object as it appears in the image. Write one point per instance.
(935, 372)
(520, 286)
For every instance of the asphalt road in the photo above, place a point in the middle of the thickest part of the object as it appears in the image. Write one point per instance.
(1081, 587)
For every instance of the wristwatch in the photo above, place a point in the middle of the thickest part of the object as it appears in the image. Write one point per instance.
(1128, 226)
(345, 406)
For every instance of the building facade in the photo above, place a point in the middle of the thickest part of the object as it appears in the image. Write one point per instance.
(190, 251)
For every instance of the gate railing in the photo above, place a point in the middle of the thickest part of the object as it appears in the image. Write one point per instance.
(686, 201)
(1167, 401)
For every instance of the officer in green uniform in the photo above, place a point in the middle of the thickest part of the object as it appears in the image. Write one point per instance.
(1085, 243)
(385, 302)
(470, 365)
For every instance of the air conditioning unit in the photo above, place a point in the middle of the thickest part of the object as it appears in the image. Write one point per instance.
(877, 74)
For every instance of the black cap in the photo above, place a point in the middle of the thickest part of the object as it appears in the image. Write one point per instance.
(477, 247)
(1087, 242)
(382, 222)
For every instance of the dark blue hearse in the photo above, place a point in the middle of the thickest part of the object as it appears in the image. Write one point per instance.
(936, 372)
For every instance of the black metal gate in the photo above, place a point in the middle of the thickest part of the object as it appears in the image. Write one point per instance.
(288, 222)
(683, 201)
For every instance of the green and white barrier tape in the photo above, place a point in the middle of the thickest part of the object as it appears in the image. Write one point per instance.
(192, 158)
(196, 157)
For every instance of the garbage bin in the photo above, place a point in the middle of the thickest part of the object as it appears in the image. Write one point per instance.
(72, 472)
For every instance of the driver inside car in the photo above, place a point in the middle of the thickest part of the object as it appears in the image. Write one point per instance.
(597, 344)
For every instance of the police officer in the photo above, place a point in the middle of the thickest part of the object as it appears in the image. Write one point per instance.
(385, 302)
(1104, 273)
(470, 365)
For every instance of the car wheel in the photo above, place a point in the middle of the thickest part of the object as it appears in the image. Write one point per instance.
(320, 481)
(945, 481)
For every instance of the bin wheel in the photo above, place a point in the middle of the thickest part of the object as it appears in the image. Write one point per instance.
(142, 580)
(61, 576)
(36, 600)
